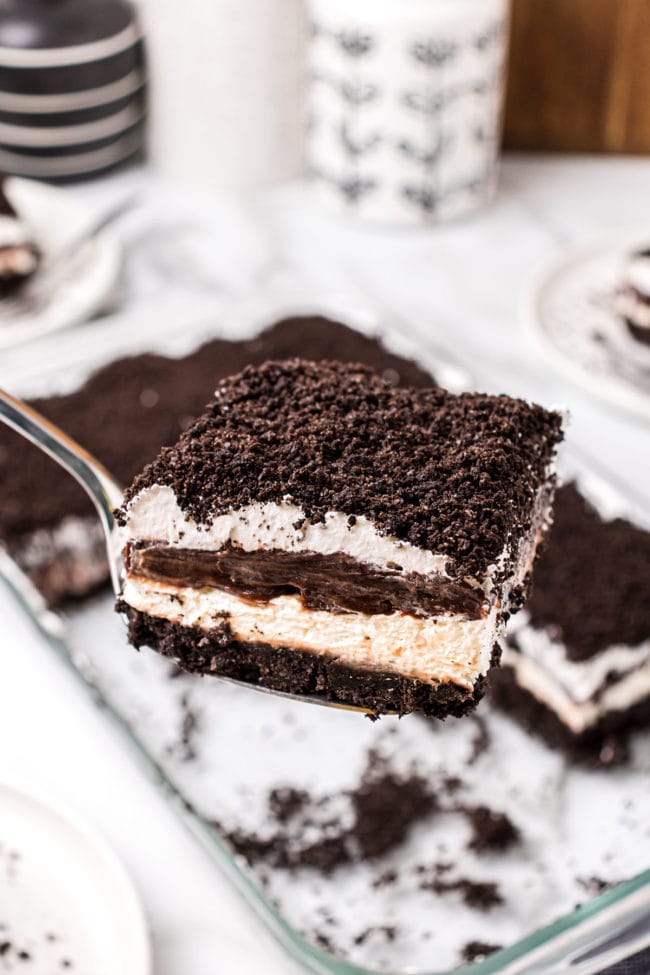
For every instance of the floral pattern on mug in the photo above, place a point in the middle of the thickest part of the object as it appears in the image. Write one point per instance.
(406, 104)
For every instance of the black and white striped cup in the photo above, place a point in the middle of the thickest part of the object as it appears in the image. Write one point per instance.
(72, 87)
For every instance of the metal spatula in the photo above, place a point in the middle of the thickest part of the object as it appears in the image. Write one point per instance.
(106, 495)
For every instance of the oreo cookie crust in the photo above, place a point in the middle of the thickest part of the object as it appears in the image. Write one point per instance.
(315, 509)
(577, 661)
(218, 653)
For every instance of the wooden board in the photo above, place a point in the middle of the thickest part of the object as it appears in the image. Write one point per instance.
(579, 76)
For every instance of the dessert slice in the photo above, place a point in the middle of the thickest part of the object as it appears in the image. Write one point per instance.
(321, 532)
(47, 523)
(632, 299)
(576, 664)
(19, 256)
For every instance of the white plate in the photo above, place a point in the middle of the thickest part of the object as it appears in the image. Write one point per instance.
(65, 899)
(570, 310)
(57, 219)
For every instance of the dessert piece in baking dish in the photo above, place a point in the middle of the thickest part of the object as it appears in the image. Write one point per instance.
(321, 532)
(47, 523)
(576, 662)
(19, 256)
(632, 298)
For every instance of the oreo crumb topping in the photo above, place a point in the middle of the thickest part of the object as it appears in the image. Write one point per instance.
(190, 725)
(114, 416)
(592, 581)
(456, 475)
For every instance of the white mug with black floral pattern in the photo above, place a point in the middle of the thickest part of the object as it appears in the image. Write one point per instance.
(406, 101)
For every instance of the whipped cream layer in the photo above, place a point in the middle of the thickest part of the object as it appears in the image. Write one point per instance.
(436, 650)
(155, 515)
(579, 692)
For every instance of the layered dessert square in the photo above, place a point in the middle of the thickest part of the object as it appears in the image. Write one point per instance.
(321, 532)
(19, 256)
(632, 298)
(576, 663)
(123, 414)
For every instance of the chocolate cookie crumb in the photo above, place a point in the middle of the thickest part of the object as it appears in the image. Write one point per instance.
(480, 741)
(478, 950)
(386, 879)
(491, 830)
(594, 885)
(451, 784)
(479, 895)
(388, 931)
(323, 941)
(384, 807)
(287, 802)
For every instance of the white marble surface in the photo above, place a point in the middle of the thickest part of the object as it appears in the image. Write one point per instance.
(463, 285)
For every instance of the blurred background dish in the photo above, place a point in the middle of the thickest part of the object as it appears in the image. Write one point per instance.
(67, 903)
(72, 83)
(574, 309)
(84, 287)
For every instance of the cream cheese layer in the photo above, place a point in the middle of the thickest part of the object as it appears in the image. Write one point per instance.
(436, 650)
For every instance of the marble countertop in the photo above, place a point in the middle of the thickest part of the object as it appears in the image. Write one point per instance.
(460, 287)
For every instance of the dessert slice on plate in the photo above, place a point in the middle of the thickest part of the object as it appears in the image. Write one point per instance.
(19, 256)
(321, 532)
(576, 665)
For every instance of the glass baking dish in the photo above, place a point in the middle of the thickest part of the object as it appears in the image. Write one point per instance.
(218, 750)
